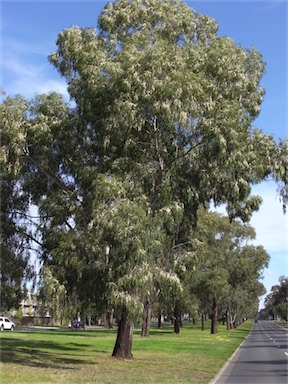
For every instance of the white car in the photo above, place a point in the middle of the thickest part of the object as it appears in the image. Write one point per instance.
(6, 323)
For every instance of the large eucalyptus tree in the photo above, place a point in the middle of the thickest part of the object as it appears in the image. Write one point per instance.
(162, 124)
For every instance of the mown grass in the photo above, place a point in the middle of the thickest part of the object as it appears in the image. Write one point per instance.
(193, 356)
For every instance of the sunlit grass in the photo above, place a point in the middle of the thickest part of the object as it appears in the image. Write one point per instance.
(193, 356)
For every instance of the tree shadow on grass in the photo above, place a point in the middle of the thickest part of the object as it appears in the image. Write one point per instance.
(30, 353)
(73, 332)
(158, 332)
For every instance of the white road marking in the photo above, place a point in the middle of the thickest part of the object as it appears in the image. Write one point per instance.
(286, 353)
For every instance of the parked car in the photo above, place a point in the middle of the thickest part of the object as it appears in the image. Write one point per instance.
(76, 324)
(6, 324)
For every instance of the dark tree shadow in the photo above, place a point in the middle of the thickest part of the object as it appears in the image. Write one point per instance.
(45, 354)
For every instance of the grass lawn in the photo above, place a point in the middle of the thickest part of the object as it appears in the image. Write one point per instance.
(193, 356)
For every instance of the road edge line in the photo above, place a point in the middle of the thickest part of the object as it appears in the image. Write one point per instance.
(216, 377)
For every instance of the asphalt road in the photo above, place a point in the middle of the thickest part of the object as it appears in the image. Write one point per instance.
(261, 358)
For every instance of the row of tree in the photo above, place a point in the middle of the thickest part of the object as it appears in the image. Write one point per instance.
(112, 193)
(220, 277)
(276, 302)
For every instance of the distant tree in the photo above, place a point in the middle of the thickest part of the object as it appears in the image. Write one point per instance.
(53, 298)
(228, 266)
(276, 302)
(280, 170)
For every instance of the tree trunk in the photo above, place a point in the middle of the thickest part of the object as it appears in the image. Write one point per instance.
(159, 319)
(228, 319)
(177, 320)
(146, 319)
(109, 318)
(214, 316)
(123, 344)
(118, 317)
(233, 320)
(202, 321)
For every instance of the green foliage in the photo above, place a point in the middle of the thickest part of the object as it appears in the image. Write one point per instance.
(276, 301)
(53, 298)
(13, 134)
(280, 170)
(14, 220)
(158, 93)
(281, 311)
(228, 266)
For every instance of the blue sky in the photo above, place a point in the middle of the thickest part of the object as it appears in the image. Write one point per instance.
(29, 30)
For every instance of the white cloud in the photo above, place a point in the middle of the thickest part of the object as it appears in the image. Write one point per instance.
(40, 47)
(29, 79)
(25, 68)
(270, 222)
